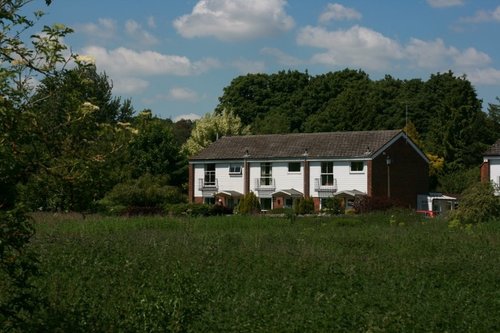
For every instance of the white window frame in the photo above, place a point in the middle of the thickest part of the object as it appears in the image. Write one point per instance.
(298, 171)
(325, 174)
(357, 163)
(235, 169)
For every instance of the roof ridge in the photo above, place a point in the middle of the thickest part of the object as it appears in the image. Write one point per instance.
(313, 133)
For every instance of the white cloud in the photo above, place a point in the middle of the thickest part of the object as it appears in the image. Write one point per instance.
(485, 76)
(281, 57)
(182, 94)
(104, 28)
(357, 46)
(125, 61)
(189, 116)
(142, 36)
(249, 66)
(234, 19)
(445, 3)
(368, 49)
(435, 54)
(483, 16)
(337, 12)
(128, 85)
(151, 22)
(472, 58)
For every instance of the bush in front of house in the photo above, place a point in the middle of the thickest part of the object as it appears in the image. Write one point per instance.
(333, 205)
(302, 206)
(143, 196)
(249, 204)
(477, 205)
(367, 204)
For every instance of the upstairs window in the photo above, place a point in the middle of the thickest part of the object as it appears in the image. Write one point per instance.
(235, 169)
(209, 174)
(294, 167)
(266, 173)
(357, 166)
(326, 173)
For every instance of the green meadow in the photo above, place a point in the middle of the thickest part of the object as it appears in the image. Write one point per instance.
(391, 272)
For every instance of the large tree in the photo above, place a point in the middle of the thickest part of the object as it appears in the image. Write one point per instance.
(21, 60)
(77, 132)
(211, 127)
(156, 151)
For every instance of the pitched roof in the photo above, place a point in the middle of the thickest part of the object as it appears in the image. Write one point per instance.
(494, 149)
(318, 145)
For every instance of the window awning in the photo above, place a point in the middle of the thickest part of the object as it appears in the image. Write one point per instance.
(350, 194)
(291, 193)
(229, 194)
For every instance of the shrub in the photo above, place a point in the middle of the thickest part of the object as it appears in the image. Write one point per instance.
(18, 266)
(366, 204)
(249, 204)
(333, 205)
(148, 192)
(188, 209)
(303, 206)
(478, 204)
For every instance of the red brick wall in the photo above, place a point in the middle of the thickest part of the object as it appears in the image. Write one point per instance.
(485, 172)
(306, 179)
(317, 203)
(409, 174)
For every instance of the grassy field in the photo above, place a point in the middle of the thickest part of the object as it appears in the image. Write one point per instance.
(377, 273)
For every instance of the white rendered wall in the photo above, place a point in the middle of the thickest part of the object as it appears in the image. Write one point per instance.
(346, 180)
(284, 180)
(225, 181)
(495, 170)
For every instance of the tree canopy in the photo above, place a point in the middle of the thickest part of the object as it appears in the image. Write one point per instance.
(444, 110)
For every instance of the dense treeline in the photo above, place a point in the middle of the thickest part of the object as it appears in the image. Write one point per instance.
(445, 110)
(75, 142)
(68, 142)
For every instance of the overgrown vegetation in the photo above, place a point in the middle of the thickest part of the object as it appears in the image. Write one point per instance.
(478, 205)
(18, 266)
(249, 204)
(146, 192)
(302, 206)
(388, 271)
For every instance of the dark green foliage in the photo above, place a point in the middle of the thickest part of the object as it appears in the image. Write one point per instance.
(367, 204)
(188, 209)
(18, 267)
(146, 191)
(196, 210)
(444, 109)
(333, 205)
(155, 150)
(249, 204)
(477, 205)
(72, 141)
(255, 274)
(457, 182)
(303, 206)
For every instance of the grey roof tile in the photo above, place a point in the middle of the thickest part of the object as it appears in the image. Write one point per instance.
(318, 145)
(494, 150)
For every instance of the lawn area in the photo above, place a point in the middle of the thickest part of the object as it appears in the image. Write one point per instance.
(392, 272)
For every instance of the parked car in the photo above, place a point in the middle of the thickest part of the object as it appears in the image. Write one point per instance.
(428, 213)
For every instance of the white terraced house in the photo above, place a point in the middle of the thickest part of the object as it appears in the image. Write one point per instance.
(490, 169)
(281, 167)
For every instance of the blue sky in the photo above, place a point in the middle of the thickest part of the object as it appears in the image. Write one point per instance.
(176, 56)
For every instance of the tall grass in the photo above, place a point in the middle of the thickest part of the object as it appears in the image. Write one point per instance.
(384, 272)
